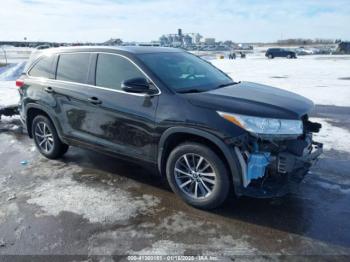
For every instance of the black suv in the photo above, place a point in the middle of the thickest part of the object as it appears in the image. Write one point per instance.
(279, 52)
(165, 107)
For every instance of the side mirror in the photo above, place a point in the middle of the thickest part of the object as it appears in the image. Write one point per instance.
(136, 85)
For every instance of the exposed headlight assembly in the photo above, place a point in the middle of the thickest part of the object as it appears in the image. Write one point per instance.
(265, 126)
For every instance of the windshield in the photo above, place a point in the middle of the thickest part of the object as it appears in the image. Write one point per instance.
(184, 72)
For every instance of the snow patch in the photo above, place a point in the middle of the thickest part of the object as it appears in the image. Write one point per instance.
(7, 211)
(13, 72)
(8, 91)
(307, 76)
(117, 241)
(332, 137)
(8, 94)
(10, 123)
(222, 246)
(162, 247)
(228, 246)
(335, 187)
(96, 205)
(6, 67)
(179, 222)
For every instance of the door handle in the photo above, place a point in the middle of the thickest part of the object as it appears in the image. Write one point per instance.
(95, 100)
(49, 89)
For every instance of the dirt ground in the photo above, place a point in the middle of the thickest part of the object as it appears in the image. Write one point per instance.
(88, 204)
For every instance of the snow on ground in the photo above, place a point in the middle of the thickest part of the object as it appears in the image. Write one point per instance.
(335, 187)
(96, 205)
(8, 93)
(227, 245)
(8, 90)
(12, 53)
(12, 72)
(323, 79)
(5, 68)
(16, 58)
(330, 134)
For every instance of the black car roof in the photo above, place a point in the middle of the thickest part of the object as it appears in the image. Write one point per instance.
(124, 49)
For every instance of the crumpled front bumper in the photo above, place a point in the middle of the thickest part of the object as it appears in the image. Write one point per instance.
(278, 174)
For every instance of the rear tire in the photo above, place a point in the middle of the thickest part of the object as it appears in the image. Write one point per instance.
(197, 174)
(46, 138)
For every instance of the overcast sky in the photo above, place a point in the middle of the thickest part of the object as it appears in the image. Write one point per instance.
(145, 20)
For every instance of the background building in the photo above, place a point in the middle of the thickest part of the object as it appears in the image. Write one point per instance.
(180, 39)
(209, 41)
(193, 41)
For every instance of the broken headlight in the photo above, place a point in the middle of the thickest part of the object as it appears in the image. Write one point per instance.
(265, 126)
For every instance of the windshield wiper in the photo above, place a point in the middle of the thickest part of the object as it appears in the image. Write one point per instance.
(192, 90)
(195, 90)
(228, 84)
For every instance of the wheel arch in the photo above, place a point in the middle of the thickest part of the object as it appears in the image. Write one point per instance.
(34, 110)
(177, 135)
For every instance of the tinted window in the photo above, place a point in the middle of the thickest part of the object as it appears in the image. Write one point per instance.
(112, 70)
(183, 72)
(43, 68)
(73, 67)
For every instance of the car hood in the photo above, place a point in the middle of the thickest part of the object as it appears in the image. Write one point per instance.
(253, 99)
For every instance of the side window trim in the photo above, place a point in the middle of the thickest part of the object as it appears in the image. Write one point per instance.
(92, 69)
(93, 66)
(55, 63)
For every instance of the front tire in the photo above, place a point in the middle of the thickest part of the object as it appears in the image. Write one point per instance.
(198, 175)
(46, 138)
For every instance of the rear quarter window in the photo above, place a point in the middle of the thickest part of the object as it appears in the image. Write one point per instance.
(43, 68)
(73, 67)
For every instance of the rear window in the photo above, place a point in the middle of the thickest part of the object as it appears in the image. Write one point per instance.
(73, 67)
(43, 68)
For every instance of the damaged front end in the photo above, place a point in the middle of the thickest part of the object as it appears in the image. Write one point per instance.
(271, 165)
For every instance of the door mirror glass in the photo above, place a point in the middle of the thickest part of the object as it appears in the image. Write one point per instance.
(136, 85)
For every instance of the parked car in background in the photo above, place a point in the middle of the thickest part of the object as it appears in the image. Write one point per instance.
(280, 52)
(167, 108)
(304, 51)
(41, 47)
(343, 48)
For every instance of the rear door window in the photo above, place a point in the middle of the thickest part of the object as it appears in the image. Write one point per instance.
(73, 67)
(112, 70)
(43, 68)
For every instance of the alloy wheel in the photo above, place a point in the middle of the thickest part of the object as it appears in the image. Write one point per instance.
(195, 176)
(44, 137)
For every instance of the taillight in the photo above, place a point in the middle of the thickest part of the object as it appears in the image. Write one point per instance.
(19, 83)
